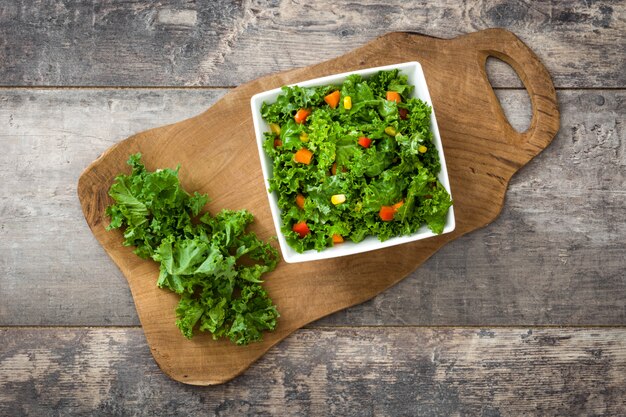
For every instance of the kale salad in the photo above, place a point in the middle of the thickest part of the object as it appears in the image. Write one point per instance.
(353, 160)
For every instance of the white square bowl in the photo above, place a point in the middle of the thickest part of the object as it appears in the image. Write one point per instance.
(413, 70)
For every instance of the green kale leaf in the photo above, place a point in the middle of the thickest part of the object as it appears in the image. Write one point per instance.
(199, 258)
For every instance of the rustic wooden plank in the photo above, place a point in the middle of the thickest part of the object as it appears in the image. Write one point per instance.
(176, 42)
(49, 259)
(555, 256)
(342, 371)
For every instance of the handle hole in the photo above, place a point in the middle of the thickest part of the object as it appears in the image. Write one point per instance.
(515, 102)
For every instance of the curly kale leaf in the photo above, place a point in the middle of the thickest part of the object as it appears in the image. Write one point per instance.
(199, 258)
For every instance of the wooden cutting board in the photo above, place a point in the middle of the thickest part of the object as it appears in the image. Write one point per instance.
(218, 155)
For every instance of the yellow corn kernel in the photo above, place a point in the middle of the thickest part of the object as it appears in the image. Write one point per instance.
(304, 137)
(422, 149)
(275, 128)
(390, 131)
(338, 199)
(347, 102)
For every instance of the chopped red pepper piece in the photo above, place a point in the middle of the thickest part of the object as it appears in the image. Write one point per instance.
(365, 142)
(301, 229)
(386, 213)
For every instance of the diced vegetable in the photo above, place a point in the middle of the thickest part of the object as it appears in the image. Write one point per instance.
(393, 96)
(275, 128)
(337, 238)
(300, 201)
(304, 137)
(387, 213)
(365, 142)
(303, 156)
(278, 143)
(390, 130)
(398, 205)
(403, 113)
(347, 102)
(422, 149)
(301, 115)
(332, 99)
(301, 229)
(338, 199)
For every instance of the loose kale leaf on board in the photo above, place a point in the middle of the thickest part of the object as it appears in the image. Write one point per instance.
(199, 258)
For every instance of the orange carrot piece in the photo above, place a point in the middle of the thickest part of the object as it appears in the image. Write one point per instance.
(337, 238)
(301, 115)
(393, 96)
(303, 156)
(332, 99)
(300, 201)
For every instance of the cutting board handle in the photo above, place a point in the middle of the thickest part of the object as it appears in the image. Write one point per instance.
(504, 45)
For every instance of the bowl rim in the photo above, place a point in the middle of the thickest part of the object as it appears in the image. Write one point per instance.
(371, 242)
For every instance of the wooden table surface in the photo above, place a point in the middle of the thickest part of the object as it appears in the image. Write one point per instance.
(526, 316)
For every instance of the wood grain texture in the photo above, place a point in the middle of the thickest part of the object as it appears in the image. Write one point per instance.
(482, 150)
(52, 269)
(555, 255)
(226, 43)
(326, 372)
(514, 272)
